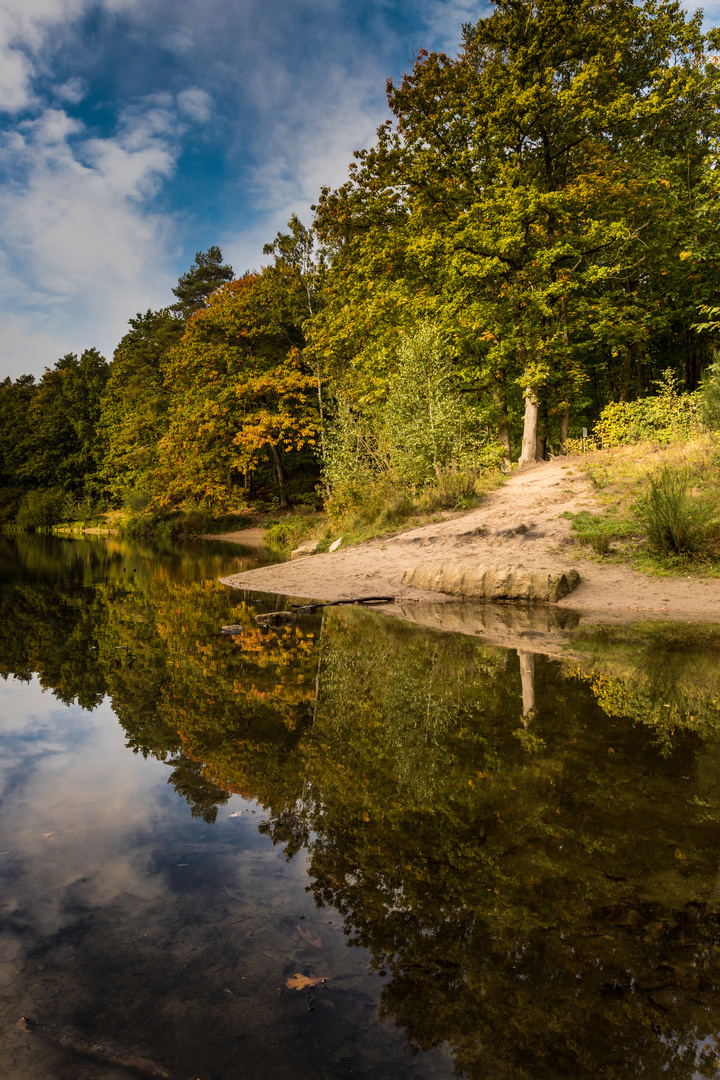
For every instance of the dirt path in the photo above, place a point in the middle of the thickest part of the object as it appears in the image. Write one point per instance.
(519, 524)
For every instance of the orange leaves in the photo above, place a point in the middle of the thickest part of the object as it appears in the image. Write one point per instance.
(300, 982)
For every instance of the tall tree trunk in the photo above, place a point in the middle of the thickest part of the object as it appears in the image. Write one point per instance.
(564, 426)
(627, 368)
(541, 440)
(641, 374)
(528, 455)
(503, 431)
(280, 476)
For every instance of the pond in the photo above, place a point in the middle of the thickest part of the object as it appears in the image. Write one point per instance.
(348, 847)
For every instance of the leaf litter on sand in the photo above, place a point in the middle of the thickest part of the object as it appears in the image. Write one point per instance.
(300, 982)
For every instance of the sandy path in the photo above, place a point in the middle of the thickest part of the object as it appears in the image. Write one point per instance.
(519, 524)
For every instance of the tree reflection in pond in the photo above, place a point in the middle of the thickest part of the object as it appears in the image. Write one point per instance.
(529, 848)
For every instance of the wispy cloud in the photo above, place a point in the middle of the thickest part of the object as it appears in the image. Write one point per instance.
(83, 252)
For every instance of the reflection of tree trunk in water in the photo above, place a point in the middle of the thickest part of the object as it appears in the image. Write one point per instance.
(527, 676)
(280, 475)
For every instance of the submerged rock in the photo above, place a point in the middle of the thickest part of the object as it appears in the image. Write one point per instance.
(505, 583)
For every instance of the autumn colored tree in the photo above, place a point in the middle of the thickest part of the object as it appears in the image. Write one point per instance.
(241, 390)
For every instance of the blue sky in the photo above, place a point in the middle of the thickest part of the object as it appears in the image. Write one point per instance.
(135, 132)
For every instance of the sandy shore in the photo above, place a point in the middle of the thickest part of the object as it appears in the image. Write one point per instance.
(519, 524)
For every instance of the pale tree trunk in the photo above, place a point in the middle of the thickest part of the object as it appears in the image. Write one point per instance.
(280, 475)
(528, 455)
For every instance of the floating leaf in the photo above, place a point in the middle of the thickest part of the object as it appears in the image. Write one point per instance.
(308, 936)
(299, 982)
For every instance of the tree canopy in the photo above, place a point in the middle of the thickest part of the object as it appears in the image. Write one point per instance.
(541, 211)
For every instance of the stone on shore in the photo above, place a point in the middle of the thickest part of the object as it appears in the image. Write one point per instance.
(493, 583)
(309, 547)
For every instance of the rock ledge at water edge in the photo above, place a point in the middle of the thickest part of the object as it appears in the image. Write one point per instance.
(493, 582)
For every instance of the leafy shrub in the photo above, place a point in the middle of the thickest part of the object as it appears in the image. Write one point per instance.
(664, 417)
(427, 443)
(674, 522)
(456, 489)
(40, 510)
(710, 398)
(136, 499)
(290, 531)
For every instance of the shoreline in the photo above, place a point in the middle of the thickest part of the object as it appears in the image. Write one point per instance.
(518, 525)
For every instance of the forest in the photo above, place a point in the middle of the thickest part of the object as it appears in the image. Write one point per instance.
(531, 240)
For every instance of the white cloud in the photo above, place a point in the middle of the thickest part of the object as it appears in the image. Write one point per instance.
(84, 251)
(72, 91)
(15, 72)
(195, 104)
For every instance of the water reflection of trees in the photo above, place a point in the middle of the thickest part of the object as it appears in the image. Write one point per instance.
(539, 879)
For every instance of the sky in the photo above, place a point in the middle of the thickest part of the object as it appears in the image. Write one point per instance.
(134, 133)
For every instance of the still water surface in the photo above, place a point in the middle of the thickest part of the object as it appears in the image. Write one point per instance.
(495, 879)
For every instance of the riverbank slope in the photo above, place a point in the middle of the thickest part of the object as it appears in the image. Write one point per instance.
(518, 524)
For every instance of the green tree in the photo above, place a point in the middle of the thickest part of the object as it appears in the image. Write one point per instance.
(513, 188)
(135, 403)
(64, 449)
(241, 390)
(206, 274)
(15, 440)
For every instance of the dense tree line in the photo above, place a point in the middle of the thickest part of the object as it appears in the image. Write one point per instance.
(533, 235)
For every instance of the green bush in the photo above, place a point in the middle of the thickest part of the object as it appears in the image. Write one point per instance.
(664, 417)
(40, 510)
(674, 522)
(136, 499)
(423, 448)
(710, 398)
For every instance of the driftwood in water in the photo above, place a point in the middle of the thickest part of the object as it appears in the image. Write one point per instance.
(286, 618)
(308, 609)
(106, 1055)
(276, 618)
